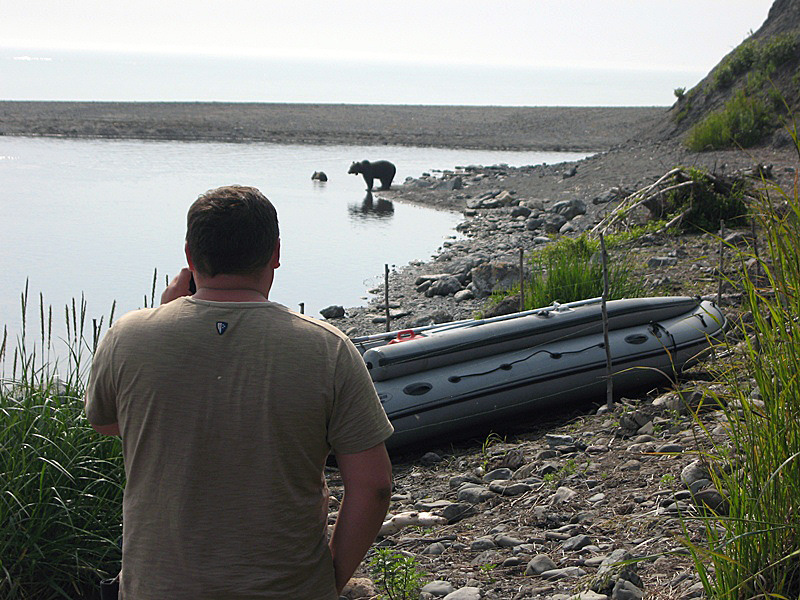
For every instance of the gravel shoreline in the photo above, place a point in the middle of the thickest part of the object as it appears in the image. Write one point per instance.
(482, 127)
(540, 509)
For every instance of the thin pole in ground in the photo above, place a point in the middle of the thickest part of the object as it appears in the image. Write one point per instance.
(302, 308)
(521, 280)
(386, 293)
(721, 260)
(604, 310)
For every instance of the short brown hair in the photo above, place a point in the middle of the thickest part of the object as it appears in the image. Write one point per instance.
(231, 230)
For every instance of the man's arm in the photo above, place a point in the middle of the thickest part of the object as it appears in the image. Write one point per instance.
(178, 287)
(367, 478)
(112, 429)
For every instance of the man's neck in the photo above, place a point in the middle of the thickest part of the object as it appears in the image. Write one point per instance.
(234, 288)
(229, 294)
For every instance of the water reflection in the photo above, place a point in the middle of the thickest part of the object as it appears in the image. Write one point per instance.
(370, 208)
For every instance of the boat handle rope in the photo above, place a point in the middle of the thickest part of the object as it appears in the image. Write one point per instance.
(508, 366)
(656, 329)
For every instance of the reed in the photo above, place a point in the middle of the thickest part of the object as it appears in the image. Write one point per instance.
(571, 269)
(62, 483)
(751, 548)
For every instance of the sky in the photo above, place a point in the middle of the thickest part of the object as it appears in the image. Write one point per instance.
(618, 34)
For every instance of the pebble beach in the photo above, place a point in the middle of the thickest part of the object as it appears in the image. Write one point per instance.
(546, 509)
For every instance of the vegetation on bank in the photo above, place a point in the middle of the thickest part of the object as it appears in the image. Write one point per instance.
(684, 199)
(62, 483)
(756, 107)
(60, 511)
(750, 548)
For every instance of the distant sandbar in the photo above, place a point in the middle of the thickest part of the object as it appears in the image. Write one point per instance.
(588, 129)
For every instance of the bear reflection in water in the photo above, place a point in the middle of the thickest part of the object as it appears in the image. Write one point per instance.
(371, 208)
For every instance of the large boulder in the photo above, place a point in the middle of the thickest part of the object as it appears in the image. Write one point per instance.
(493, 277)
(569, 209)
(444, 286)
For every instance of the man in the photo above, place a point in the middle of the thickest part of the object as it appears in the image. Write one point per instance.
(228, 405)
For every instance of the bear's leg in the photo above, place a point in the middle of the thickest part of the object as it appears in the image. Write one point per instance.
(369, 181)
(386, 183)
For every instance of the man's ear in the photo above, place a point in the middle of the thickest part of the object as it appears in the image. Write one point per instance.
(188, 256)
(275, 261)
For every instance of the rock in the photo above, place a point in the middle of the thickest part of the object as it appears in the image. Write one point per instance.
(534, 223)
(509, 489)
(333, 312)
(444, 286)
(576, 542)
(465, 593)
(438, 588)
(607, 196)
(569, 209)
(359, 588)
(498, 474)
(589, 595)
(556, 441)
(493, 276)
(571, 172)
(662, 261)
(458, 480)
(430, 458)
(482, 544)
(614, 567)
(625, 590)
(458, 511)
(474, 494)
(554, 222)
(463, 295)
(431, 505)
(713, 500)
(507, 306)
(454, 183)
(539, 564)
(435, 549)
(562, 495)
(694, 471)
(520, 211)
(506, 541)
(433, 318)
(565, 573)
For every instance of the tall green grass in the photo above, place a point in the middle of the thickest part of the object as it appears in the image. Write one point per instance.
(61, 483)
(753, 549)
(571, 269)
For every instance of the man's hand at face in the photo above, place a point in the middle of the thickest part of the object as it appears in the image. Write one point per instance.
(178, 287)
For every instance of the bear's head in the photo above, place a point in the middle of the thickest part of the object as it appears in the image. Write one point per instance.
(355, 168)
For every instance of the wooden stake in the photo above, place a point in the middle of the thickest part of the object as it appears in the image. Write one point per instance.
(521, 280)
(386, 293)
(302, 308)
(604, 310)
(721, 259)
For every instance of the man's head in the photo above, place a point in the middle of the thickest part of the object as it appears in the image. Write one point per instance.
(232, 230)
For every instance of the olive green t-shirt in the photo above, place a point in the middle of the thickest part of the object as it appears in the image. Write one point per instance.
(227, 412)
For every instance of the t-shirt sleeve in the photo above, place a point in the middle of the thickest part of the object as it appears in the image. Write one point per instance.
(101, 395)
(358, 421)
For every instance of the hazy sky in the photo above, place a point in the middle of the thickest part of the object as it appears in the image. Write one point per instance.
(659, 34)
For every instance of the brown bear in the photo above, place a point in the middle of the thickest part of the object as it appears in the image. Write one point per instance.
(380, 169)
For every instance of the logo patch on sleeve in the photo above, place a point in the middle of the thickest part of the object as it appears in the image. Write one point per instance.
(221, 327)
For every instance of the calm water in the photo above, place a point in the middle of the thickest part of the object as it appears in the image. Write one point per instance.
(63, 75)
(97, 217)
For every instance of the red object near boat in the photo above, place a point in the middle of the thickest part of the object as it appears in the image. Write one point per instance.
(406, 335)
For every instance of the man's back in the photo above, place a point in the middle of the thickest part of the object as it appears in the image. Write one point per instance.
(227, 413)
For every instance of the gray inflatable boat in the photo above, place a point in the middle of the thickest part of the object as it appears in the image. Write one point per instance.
(438, 381)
